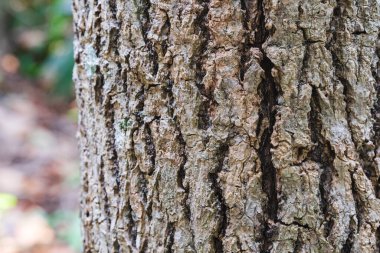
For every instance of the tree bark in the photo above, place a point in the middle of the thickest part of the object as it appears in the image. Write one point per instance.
(229, 126)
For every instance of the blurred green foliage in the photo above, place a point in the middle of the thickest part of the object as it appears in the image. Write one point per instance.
(7, 201)
(67, 225)
(41, 38)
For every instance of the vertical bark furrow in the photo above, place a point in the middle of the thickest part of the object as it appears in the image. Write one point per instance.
(143, 16)
(113, 8)
(105, 201)
(109, 115)
(261, 31)
(323, 154)
(269, 93)
(375, 156)
(201, 26)
(214, 178)
(96, 26)
(151, 149)
(181, 171)
(269, 96)
(170, 237)
(354, 224)
(378, 238)
(244, 57)
(98, 87)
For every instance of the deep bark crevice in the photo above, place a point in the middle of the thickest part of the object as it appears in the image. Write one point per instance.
(324, 155)
(298, 243)
(142, 182)
(269, 231)
(151, 148)
(131, 223)
(303, 68)
(358, 205)
(115, 171)
(244, 58)
(170, 230)
(138, 110)
(143, 15)
(165, 32)
(349, 243)
(204, 120)
(109, 115)
(376, 114)
(98, 87)
(116, 246)
(102, 184)
(378, 238)
(181, 173)
(294, 223)
(114, 32)
(269, 94)
(222, 154)
(144, 246)
(114, 40)
(109, 160)
(359, 211)
(97, 27)
(261, 33)
(113, 8)
(142, 177)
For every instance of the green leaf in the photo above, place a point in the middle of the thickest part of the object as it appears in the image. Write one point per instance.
(7, 201)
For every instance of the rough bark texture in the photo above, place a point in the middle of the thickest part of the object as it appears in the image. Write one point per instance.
(229, 126)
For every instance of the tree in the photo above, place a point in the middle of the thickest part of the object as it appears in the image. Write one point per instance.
(229, 126)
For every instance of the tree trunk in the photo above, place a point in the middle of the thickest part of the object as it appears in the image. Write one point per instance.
(229, 126)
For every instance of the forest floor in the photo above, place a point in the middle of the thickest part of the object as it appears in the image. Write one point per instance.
(39, 173)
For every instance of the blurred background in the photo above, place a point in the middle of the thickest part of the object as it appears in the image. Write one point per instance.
(39, 168)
